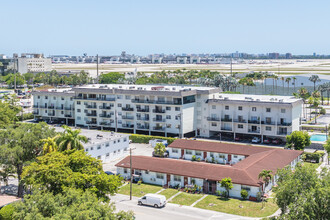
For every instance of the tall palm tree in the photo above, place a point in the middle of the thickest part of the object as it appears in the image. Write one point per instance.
(310, 102)
(266, 176)
(276, 78)
(287, 80)
(294, 83)
(71, 139)
(303, 94)
(314, 79)
(49, 145)
(316, 95)
(322, 89)
(282, 78)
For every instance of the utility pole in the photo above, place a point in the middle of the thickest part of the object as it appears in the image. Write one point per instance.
(130, 165)
(231, 66)
(15, 74)
(97, 68)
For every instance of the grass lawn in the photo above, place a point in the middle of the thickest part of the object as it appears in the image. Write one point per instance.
(314, 165)
(186, 198)
(139, 190)
(168, 193)
(231, 206)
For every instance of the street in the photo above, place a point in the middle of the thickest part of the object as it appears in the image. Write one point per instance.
(171, 211)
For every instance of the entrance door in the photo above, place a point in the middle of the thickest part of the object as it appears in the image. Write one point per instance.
(185, 180)
(168, 178)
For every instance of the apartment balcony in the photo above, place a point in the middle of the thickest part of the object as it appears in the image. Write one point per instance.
(226, 119)
(283, 133)
(105, 107)
(69, 108)
(36, 112)
(155, 102)
(127, 125)
(268, 122)
(104, 115)
(254, 121)
(159, 128)
(240, 121)
(97, 99)
(143, 118)
(142, 110)
(161, 111)
(159, 119)
(42, 107)
(35, 106)
(91, 123)
(284, 124)
(226, 129)
(127, 109)
(254, 131)
(127, 117)
(143, 127)
(68, 116)
(105, 123)
(51, 114)
(60, 108)
(91, 114)
(91, 106)
(51, 107)
(213, 119)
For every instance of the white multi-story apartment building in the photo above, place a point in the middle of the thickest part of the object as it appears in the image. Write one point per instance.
(170, 110)
(33, 63)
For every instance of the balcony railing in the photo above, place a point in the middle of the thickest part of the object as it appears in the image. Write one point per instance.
(36, 112)
(143, 119)
(60, 108)
(268, 122)
(144, 127)
(213, 119)
(240, 121)
(127, 109)
(91, 114)
(127, 117)
(283, 133)
(68, 116)
(98, 99)
(51, 114)
(254, 121)
(155, 102)
(127, 125)
(254, 131)
(161, 111)
(105, 115)
(91, 122)
(105, 107)
(159, 119)
(35, 106)
(142, 110)
(159, 128)
(69, 108)
(105, 123)
(284, 124)
(91, 106)
(227, 119)
(226, 129)
(51, 107)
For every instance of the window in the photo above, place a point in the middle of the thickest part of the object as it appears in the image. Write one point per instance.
(114, 152)
(247, 188)
(222, 156)
(62, 98)
(211, 154)
(78, 110)
(86, 149)
(78, 118)
(175, 150)
(168, 125)
(38, 97)
(99, 157)
(268, 109)
(119, 105)
(227, 107)
(189, 152)
(125, 170)
(118, 140)
(78, 102)
(125, 139)
(282, 110)
(177, 178)
(214, 124)
(168, 117)
(168, 108)
(240, 108)
(107, 145)
(99, 147)
(46, 97)
(119, 96)
(159, 176)
(198, 153)
(107, 155)
(254, 109)
(92, 148)
(54, 98)
(127, 97)
(214, 107)
(235, 156)
(240, 126)
(177, 108)
(268, 128)
(146, 172)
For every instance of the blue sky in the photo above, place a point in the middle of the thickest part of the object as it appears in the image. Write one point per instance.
(172, 26)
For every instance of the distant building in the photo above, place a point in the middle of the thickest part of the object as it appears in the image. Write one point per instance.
(273, 55)
(33, 63)
(288, 56)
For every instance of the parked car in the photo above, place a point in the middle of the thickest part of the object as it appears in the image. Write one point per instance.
(277, 141)
(153, 200)
(268, 141)
(255, 140)
(156, 155)
(109, 173)
(238, 139)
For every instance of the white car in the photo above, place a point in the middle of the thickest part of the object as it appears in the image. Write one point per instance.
(153, 200)
(255, 140)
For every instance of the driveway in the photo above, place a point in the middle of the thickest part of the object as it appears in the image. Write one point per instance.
(171, 211)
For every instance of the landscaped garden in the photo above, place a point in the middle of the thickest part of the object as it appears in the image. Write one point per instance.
(168, 193)
(139, 190)
(238, 207)
(186, 198)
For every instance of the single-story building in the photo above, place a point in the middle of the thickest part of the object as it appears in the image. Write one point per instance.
(244, 174)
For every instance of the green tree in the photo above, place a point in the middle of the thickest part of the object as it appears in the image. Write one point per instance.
(244, 194)
(111, 78)
(71, 204)
(303, 194)
(327, 148)
(10, 79)
(21, 144)
(303, 94)
(265, 176)
(6, 213)
(73, 168)
(29, 77)
(298, 140)
(314, 79)
(227, 184)
(160, 149)
(70, 139)
(49, 145)
(9, 112)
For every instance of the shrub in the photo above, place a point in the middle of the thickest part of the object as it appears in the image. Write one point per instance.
(244, 194)
(198, 159)
(312, 156)
(139, 182)
(224, 194)
(322, 111)
(193, 158)
(259, 194)
(6, 212)
(144, 139)
(27, 116)
(213, 160)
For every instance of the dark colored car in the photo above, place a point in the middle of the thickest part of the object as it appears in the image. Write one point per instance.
(277, 141)
(268, 141)
(238, 139)
(109, 173)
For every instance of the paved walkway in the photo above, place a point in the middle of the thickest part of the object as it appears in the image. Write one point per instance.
(174, 196)
(192, 205)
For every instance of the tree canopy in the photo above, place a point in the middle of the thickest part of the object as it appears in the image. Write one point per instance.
(227, 184)
(70, 139)
(160, 149)
(71, 204)
(56, 171)
(111, 78)
(298, 140)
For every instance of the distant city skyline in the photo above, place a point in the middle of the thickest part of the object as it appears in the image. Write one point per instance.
(152, 27)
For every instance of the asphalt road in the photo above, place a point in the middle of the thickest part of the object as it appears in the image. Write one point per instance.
(171, 211)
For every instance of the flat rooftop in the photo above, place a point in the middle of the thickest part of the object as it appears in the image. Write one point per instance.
(96, 136)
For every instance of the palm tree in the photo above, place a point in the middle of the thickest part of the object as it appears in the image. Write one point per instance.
(71, 139)
(282, 78)
(294, 83)
(310, 102)
(276, 78)
(303, 93)
(287, 80)
(322, 89)
(49, 145)
(316, 95)
(266, 176)
(314, 79)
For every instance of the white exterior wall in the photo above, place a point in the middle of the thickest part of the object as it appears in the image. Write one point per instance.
(236, 158)
(198, 182)
(151, 178)
(173, 154)
(26, 65)
(236, 190)
(174, 183)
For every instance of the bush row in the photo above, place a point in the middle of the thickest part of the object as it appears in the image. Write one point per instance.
(144, 139)
(27, 116)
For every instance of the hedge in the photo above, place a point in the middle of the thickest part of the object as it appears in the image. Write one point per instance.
(6, 212)
(312, 156)
(27, 116)
(144, 139)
